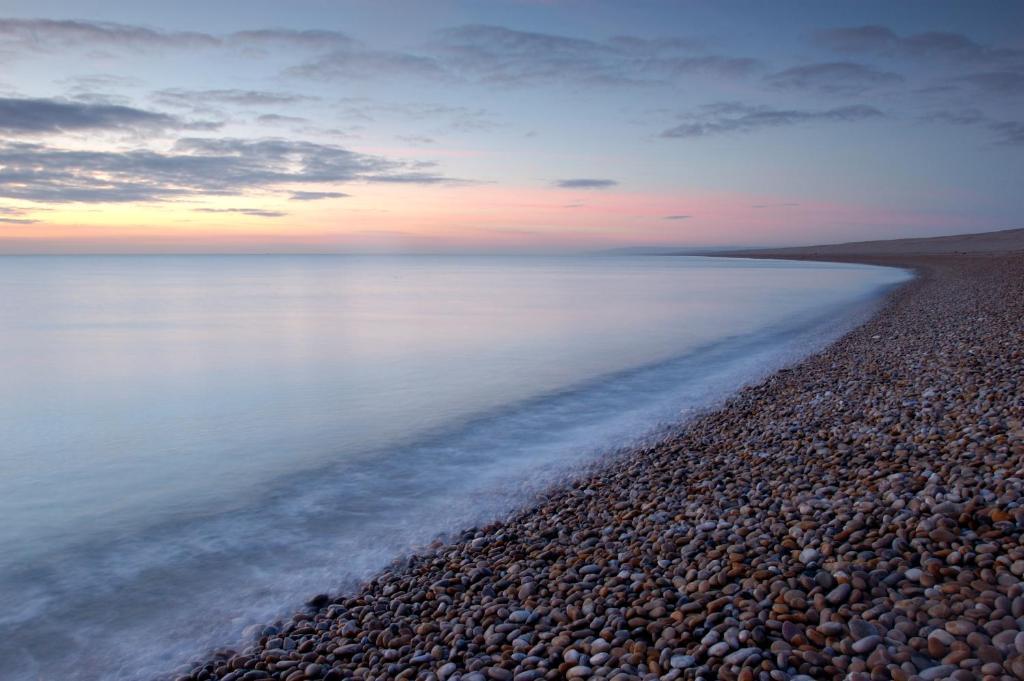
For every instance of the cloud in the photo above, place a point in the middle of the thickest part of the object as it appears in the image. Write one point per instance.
(874, 39)
(713, 65)
(585, 183)
(316, 196)
(99, 81)
(653, 47)
(459, 118)
(12, 216)
(20, 37)
(500, 55)
(729, 117)
(193, 167)
(493, 54)
(1008, 132)
(1005, 132)
(48, 34)
(254, 212)
(833, 78)
(417, 139)
(774, 205)
(275, 119)
(677, 217)
(362, 64)
(277, 37)
(193, 99)
(20, 116)
(955, 117)
(339, 54)
(419, 178)
(996, 82)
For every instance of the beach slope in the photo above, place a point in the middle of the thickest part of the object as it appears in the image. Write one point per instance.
(856, 516)
(1003, 242)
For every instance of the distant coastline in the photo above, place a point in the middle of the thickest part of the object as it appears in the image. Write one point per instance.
(1000, 243)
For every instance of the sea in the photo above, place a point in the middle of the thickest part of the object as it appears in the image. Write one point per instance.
(191, 445)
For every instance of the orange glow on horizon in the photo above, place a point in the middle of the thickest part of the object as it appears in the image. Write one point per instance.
(444, 218)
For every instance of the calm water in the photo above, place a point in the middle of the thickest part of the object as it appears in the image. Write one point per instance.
(189, 445)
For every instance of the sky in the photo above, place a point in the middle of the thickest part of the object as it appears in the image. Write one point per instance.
(362, 126)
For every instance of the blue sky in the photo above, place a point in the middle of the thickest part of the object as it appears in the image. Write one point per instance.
(504, 125)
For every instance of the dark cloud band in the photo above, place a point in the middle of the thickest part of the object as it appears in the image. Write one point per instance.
(19, 116)
(728, 117)
(585, 183)
(195, 167)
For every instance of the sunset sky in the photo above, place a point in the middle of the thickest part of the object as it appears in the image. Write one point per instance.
(473, 126)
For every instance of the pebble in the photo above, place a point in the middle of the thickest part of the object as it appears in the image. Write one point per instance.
(866, 644)
(719, 649)
(937, 672)
(682, 661)
(740, 655)
(838, 595)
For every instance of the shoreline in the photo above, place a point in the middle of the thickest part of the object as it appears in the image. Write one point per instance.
(791, 532)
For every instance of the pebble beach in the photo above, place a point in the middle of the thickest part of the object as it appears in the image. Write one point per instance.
(856, 516)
